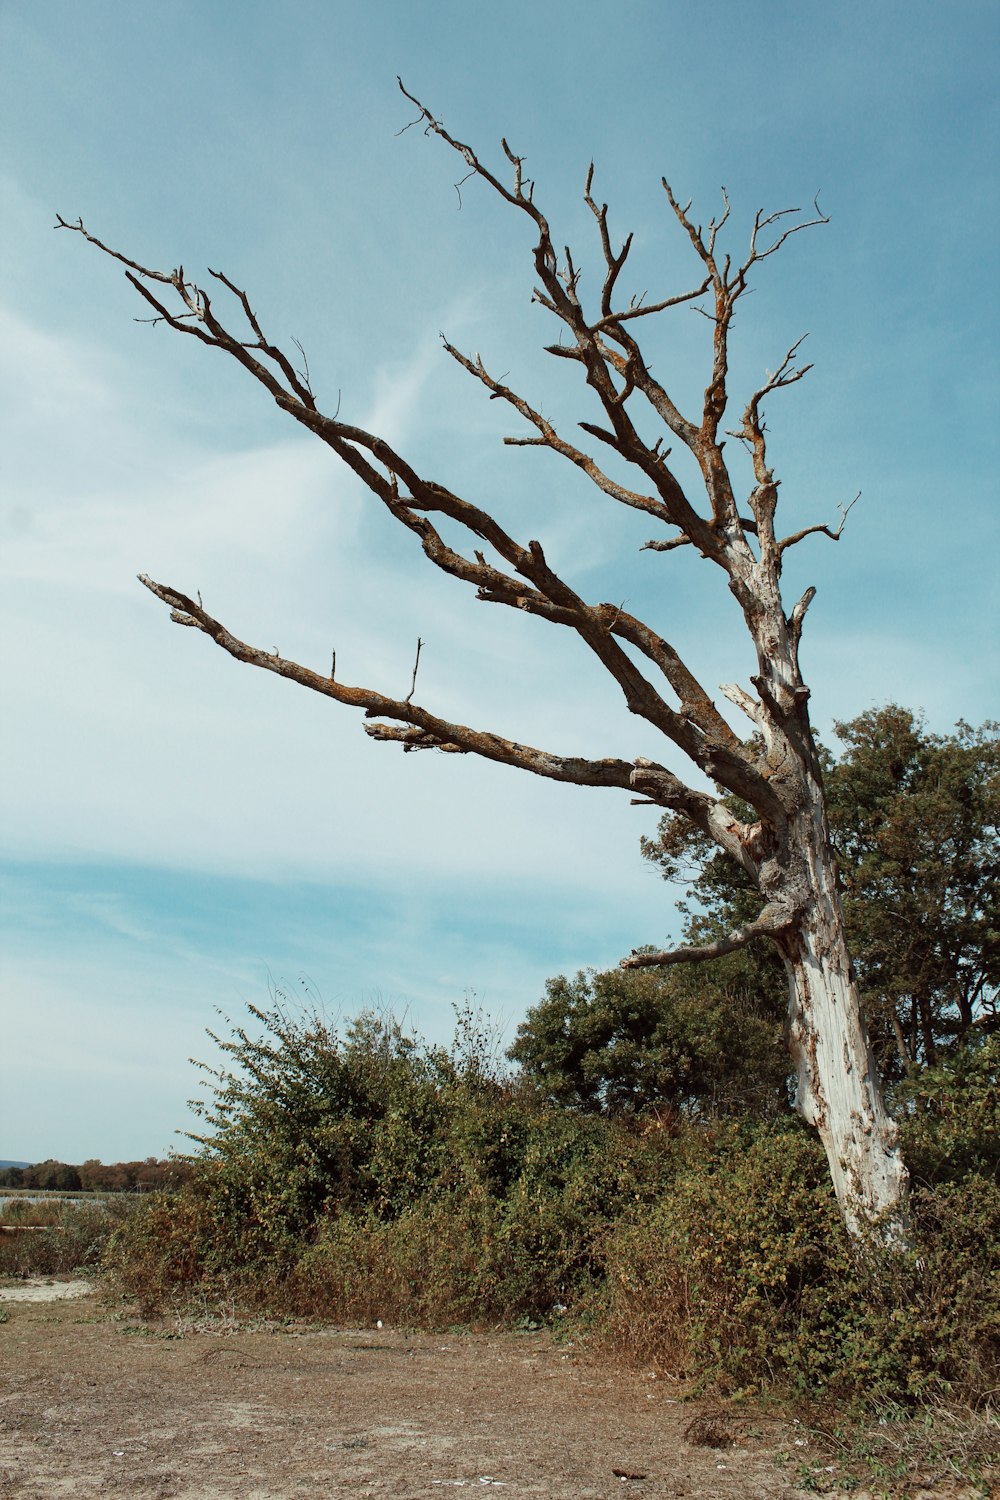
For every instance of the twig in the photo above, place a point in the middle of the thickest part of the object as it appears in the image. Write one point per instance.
(413, 683)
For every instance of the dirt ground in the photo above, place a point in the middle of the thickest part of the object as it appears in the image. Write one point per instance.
(92, 1403)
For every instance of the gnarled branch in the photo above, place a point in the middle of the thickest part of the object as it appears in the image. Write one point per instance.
(428, 730)
(774, 919)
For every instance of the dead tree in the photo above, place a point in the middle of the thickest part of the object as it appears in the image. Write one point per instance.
(774, 769)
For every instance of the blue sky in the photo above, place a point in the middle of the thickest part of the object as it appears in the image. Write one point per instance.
(179, 832)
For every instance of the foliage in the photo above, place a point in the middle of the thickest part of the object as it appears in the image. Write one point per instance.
(743, 1277)
(916, 821)
(329, 1152)
(950, 1116)
(94, 1176)
(50, 1176)
(132, 1176)
(716, 1279)
(367, 1176)
(698, 1040)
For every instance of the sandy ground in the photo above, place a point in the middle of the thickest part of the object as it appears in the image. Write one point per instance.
(93, 1404)
(38, 1289)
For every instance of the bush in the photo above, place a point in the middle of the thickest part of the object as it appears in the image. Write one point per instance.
(950, 1116)
(744, 1278)
(339, 1168)
(368, 1177)
(697, 1040)
(167, 1251)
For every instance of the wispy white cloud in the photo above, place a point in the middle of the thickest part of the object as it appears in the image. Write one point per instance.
(136, 741)
(111, 975)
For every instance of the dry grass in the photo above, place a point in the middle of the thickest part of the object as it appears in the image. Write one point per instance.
(56, 1235)
(895, 1454)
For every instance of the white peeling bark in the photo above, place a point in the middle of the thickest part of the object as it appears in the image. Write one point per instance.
(838, 1088)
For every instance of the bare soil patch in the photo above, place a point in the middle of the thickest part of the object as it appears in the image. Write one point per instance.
(92, 1404)
(45, 1289)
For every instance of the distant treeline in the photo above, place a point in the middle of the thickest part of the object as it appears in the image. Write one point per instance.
(96, 1176)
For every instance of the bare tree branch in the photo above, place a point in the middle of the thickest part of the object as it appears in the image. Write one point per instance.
(172, 278)
(697, 727)
(427, 729)
(416, 664)
(797, 616)
(750, 527)
(550, 438)
(764, 221)
(834, 534)
(558, 293)
(742, 700)
(772, 920)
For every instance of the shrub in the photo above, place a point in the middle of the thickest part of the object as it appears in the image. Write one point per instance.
(744, 1278)
(340, 1167)
(950, 1116)
(171, 1247)
(368, 1177)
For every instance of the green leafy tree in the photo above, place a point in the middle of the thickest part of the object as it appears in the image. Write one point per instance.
(914, 823)
(52, 1176)
(698, 1041)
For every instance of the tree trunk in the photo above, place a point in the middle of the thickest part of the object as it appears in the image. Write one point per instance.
(838, 1089)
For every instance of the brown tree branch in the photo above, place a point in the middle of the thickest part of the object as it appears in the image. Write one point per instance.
(773, 920)
(426, 730)
(834, 534)
(697, 727)
(750, 527)
(416, 728)
(171, 278)
(558, 293)
(636, 309)
(550, 597)
(550, 438)
(764, 221)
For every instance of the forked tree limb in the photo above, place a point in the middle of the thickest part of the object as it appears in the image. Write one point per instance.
(698, 727)
(426, 730)
(833, 533)
(550, 438)
(416, 728)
